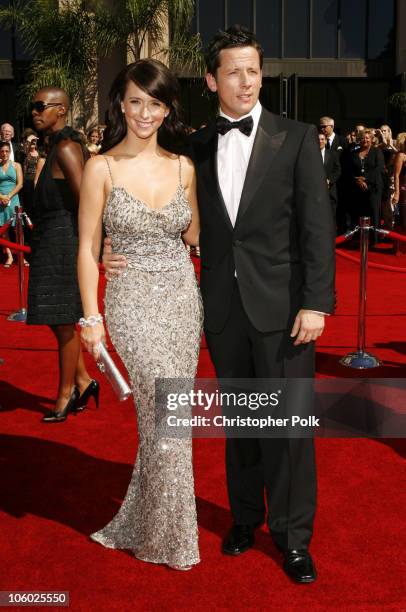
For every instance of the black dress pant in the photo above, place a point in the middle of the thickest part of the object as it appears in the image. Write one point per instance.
(267, 477)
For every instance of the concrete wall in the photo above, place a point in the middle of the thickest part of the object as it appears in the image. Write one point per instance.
(401, 36)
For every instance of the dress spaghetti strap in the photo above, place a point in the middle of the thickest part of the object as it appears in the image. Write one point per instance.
(108, 166)
(180, 172)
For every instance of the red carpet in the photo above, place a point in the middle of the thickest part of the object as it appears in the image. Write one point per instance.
(61, 482)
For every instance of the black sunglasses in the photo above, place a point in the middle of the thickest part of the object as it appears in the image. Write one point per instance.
(40, 106)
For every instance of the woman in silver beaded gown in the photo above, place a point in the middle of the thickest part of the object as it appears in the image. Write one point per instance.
(153, 310)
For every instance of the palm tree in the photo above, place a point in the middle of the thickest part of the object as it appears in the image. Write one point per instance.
(59, 38)
(398, 100)
(67, 38)
(143, 26)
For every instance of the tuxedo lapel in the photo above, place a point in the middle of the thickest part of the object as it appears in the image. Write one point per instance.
(267, 143)
(211, 178)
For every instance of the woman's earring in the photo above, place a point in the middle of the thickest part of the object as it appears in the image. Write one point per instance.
(122, 109)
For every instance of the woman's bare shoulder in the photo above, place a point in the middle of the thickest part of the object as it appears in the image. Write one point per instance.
(188, 171)
(96, 165)
(187, 165)
(116, 152)
(186, 160)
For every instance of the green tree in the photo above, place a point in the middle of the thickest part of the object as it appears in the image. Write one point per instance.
(59, 38)
(398, 100)
(66, 39)
(138, 23)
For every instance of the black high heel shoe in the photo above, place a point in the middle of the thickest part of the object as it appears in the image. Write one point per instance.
(57, 416)
(92, 390)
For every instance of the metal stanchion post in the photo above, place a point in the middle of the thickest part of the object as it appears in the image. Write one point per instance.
(360, 359)
(20, 315)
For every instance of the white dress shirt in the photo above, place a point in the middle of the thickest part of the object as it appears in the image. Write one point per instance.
(233, 155)
(331, 138)
(323, 154)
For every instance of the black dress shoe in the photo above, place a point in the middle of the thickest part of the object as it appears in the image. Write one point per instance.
(57, 416)
(299, 566)
(239, 539)
(92, 390)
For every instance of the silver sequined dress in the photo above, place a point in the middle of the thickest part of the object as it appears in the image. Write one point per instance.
(154, 318)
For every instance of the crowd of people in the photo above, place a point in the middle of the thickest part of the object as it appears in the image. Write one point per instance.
(366, 175)
(20, 165)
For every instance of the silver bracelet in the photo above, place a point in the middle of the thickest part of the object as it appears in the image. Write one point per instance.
(91, 321)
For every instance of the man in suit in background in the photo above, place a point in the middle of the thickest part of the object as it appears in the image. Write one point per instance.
(7, 135)
(333, 140)
(267, 270)
(332, 167)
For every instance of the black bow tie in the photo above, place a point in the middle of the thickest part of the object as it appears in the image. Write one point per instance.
(245, 125)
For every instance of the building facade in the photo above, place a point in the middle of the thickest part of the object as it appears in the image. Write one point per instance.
(342, 58)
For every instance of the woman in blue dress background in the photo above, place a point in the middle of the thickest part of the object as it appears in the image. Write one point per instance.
(11, 181)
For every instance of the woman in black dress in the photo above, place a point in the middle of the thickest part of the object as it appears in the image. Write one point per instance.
(53, 292)
(399, 175)
(363, 172)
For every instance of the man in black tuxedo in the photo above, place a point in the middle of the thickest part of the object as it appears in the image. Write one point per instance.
(334, 142)
(267, 269)
(267, 253)
(332, 167)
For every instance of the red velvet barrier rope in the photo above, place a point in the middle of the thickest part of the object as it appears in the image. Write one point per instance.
(347, 235)
(14, 247)
(370, 263)
(5, 227)
(396, 236)
(339, 240)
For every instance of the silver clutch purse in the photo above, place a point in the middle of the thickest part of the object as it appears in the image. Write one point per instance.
(106, 365)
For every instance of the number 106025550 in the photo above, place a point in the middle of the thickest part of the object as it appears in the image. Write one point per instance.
(34, 598)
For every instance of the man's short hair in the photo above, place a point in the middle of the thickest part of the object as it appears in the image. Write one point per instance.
(7, 125)
(326, 120)
(236, 36)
